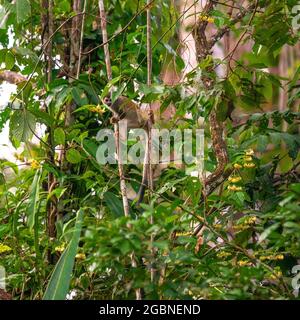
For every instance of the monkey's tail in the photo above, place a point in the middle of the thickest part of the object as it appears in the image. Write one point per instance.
(144, 185)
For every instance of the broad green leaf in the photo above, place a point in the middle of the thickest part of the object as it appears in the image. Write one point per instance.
(9, 60)
(22, 125)
(90, 147)
(114, 203)
(73, 156)
(22, 9)
(106, 89)
(59, 283)
(4, 229)
(32, 207)
(264, 235)
(59, 136)
(43, 117)
(3, 17)
(79, 96)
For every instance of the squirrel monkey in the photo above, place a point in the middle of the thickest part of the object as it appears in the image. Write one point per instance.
(125, 109)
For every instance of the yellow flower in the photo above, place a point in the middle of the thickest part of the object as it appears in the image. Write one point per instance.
(182, 234)
(223, 254)
(97, 109)
(4, 248)
(240, 227)
(234, 179)
(249, 152)
(248, 159)
(80, 256)
(206, 18)
(237, 166)
(251, 220)
(217, 226)
(275, 275)
(234, 188)
(272, 257)
(249, 165)
(60, 248)
(34, 164)
(243, 263)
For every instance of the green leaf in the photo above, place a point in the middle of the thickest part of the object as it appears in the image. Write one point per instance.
(2, 179)
(64, 6)
(4, 229)
(43, 117)
(262, 143)
(106, 89)
(59, 283)
(21, 126)
(114, 203)
(59, 136)
(79, 96)
(90, 147)
(9, 60)
(3, 17)
(264, 235)
(32, 207)
(73, 156)
(22, 10)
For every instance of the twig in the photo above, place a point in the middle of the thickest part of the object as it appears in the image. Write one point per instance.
(81, 40)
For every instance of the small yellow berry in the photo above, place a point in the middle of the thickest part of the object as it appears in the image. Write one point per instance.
(234, 179)
(251, 220)
(217, 226)
(243, 263)
(249, 165)
(60, 248)
(237, 166)
(234, 188)
(80, 256)
(223, 254)
(249, 152)
(248, 159)
(279, 257)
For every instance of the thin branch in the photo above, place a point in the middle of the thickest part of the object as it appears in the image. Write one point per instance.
(230, 54)
(81, 39)
(49, 47)
(238, 17)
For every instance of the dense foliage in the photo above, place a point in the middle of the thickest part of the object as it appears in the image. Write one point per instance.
(251, 239)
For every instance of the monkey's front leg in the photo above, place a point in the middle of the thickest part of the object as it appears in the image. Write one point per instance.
(114, 119)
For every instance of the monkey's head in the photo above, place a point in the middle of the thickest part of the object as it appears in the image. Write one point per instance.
(120, 107)
(107, 101)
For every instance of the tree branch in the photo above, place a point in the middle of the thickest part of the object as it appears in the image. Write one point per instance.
(11, 77)
(238, 17)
